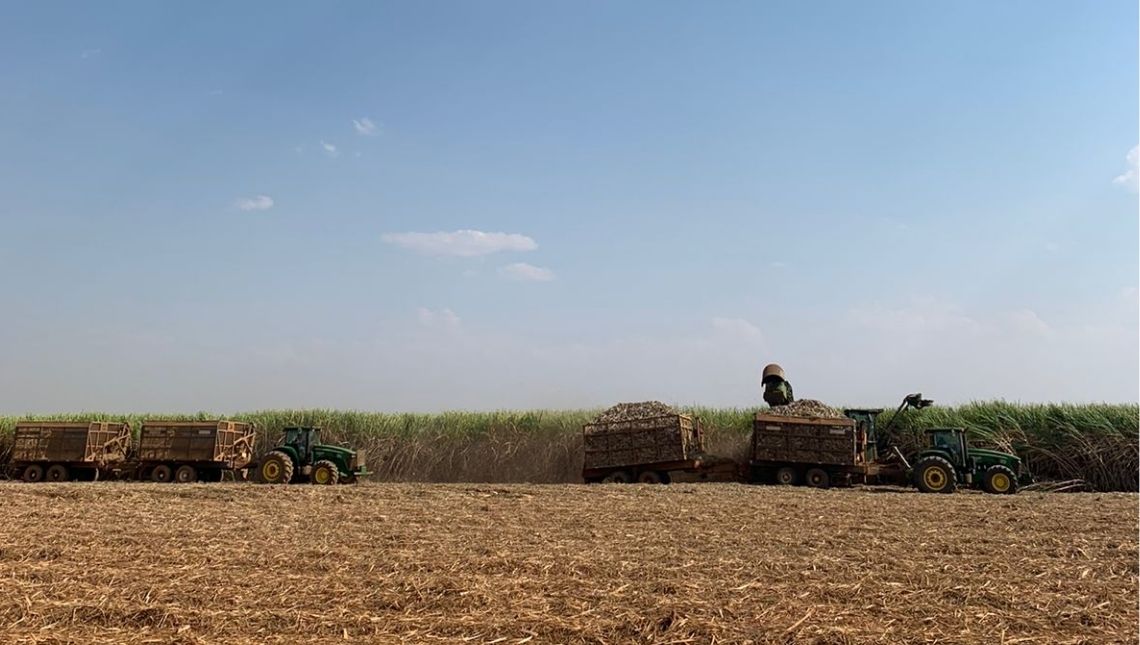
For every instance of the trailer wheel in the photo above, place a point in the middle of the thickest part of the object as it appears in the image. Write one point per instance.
(57, 473)
(186, 474)
(161, 474)
(650, 477)
(787, 476)
(34, 473)
(818, 478)
(617, 477)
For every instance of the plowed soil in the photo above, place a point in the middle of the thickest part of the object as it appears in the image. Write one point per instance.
(239, 563)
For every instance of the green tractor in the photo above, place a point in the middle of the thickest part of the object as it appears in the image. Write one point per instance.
(299, 456)
(948, 460)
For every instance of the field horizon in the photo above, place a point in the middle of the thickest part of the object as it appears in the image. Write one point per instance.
(1094, 443)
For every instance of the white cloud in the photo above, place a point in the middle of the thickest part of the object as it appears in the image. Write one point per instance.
(442, 319)
(364, 127)
(464, 243)
(523, 272)
(1129, 178)
(1026, 321)
(256, 203)
(329, 149)
(90, 53)
(740, 330)
(922, 315)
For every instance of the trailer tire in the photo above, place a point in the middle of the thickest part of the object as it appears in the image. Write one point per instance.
(161, 474)
(186, 474)
(57, 473)
(787, 476)
(650, 477)
(33, 474)
(617, 477)
(999, 480)
(818, 478)
(325, 473)
(935, 475)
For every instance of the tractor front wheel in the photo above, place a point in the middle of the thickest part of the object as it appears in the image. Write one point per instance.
(275, 468)
(935, 475)
(325, 473)
(34, 473)
(999, 480)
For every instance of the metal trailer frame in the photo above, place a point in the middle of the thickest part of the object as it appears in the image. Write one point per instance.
(58, 451)
(186, 451)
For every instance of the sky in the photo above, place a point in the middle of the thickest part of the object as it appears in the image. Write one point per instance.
(419, 206)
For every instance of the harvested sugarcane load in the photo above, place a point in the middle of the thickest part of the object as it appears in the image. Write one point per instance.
(648, 442)
(805, 408)
(629, 411)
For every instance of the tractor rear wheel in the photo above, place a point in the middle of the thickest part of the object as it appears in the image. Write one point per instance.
(999, 480)
(935, 475)
(57, 473)
(34, 473)
(325, 473)
(161, 474)
(787, 476)
(818, 478)
(275, 468)
(186, 474)
(617, 477)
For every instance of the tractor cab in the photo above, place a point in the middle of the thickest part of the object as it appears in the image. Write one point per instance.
(301, 439)
(949, 443)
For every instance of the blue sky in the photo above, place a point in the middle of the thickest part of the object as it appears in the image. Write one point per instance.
(433, 205)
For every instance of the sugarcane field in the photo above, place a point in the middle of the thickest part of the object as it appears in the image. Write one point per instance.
(513, 563)
(570, 323)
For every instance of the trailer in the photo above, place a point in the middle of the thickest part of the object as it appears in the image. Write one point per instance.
(653, 450)
(816, 451)
(64, 451)
(188, 451)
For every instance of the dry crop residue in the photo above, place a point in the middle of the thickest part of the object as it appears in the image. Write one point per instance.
(234, 563)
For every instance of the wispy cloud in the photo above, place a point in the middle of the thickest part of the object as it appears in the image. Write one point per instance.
(740, 331)
(364, 126)
(443, 319)
(1129, 177)
(90, 53)
(255, 203)
(523, 272)
(329, 148)
(464, 243)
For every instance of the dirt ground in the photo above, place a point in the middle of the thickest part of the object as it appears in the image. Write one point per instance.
(238, 563)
